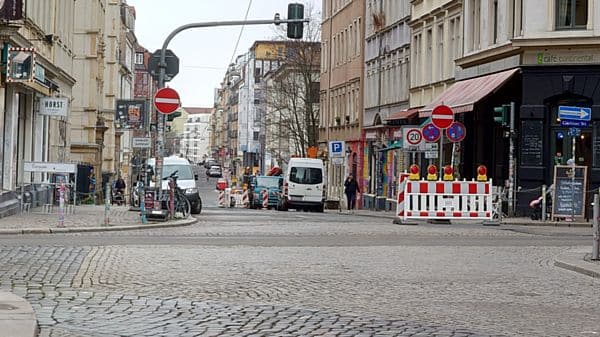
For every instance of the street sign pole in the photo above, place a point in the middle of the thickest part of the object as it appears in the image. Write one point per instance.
(162, 65)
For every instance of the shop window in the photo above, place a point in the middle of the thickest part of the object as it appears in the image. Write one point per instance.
(571, 14)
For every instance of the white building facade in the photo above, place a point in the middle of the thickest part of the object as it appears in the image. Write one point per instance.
(195, 145)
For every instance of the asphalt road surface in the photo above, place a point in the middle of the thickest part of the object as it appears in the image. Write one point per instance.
(240, 272)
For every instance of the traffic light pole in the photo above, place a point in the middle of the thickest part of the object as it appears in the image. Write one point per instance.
(160, 146)
(512, 171)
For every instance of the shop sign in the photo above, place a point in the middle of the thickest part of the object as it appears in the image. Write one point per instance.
(371, 135)
(54, 106)
(20, 64)
(562, 57)
(50, 167)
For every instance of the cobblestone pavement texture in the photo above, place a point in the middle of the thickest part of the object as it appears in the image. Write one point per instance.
(84, 216)
(441, 289)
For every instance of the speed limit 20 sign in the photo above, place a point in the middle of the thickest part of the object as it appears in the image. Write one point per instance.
(412, 137)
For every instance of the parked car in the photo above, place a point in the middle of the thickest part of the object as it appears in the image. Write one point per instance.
(215, 171)
(222, 184)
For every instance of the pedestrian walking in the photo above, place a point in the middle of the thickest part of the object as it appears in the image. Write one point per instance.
(351, 190)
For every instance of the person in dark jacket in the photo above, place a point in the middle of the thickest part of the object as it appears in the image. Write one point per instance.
(351, 189)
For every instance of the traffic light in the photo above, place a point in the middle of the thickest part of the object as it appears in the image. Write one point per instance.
(173, 115)
(295, 12)
(501, 114)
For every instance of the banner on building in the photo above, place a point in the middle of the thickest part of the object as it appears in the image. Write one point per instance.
(130, 114)
(11, 9)
(54, 106)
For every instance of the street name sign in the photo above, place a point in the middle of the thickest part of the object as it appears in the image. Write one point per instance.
(337, 148)
(38, 166)
(141, 142)
(574, 124)
(166, 100)
(574, 113)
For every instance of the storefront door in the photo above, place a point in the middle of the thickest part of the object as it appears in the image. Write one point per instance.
(562, 147)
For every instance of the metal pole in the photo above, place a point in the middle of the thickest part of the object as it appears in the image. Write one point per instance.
(544, 202)
(161, 78)
(511, 164)
(596, 244)
(107, 205)
(61, 205)
(573, 181)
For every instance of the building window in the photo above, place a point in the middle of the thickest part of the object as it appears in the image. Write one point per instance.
(139, 58)
(571, 14)
(495, 21)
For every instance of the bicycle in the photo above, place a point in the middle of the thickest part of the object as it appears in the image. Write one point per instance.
(181, 204)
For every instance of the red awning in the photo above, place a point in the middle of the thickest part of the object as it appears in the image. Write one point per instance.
(463, 95)
(404, 114)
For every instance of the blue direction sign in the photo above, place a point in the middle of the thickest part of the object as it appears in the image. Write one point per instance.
(431, 133)
(574, 132)
(574, 113)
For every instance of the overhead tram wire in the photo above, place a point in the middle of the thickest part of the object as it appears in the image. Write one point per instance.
(241, 32)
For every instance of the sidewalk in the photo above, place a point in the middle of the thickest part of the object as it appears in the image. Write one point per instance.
(86, 218)
(17, 318)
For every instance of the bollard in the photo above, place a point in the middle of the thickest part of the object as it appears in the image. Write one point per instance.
(61, 205)
(544, 215)
(142, 196)
(596, 244)
(107, 206)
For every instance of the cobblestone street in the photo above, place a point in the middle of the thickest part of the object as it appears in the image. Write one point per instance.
(243, 272)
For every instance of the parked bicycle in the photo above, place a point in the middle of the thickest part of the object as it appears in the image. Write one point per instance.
(181, 204)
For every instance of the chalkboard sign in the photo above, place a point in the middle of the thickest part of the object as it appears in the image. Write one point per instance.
(596, 144)
(568, 196)
(532, 137)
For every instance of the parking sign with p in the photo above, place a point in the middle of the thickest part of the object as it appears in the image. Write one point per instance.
(337, 148)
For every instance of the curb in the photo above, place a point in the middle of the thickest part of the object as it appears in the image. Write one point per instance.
(574, 261)
(17, 317)
(56, 230)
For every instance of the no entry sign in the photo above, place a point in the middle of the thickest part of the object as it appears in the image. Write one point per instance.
(442, 116)
(166, 100)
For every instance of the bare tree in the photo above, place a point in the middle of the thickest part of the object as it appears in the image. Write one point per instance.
(292, 95)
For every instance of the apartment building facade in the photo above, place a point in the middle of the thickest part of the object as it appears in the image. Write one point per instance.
(539, 55)
(37, 37)
(386, 94)
(341, 98)
(194, 143)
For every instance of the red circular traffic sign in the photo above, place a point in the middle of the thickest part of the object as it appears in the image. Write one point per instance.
(166, 100)
(442, 116)
(414, 136)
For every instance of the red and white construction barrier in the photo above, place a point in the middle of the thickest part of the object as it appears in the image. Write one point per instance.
(245, 200)
(450, 200)
(265, 199)
(221, 200)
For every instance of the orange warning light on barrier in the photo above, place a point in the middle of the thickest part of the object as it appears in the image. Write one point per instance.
(414, 172)
(432, 172)
(448, 173)
(482, 173)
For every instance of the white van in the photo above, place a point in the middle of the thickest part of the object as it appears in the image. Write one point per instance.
(187, 179)
(304, 185)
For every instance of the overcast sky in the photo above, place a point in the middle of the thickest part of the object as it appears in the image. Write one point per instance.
(204, 53)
